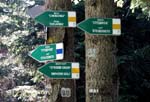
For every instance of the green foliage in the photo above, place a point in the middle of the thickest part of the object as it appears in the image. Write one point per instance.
(5, 70)
(134, 55)
(144, 4)
(79, 8)
(18, 36)
(37, 77)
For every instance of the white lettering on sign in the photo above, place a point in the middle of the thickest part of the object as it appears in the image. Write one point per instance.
(100, 20)
(60, 64)
(59, 67)
(46, 57)
(47, 54)
(100, 31)
(46, 50)
(65, 67)
(100, 23)
(55, 67)
(56, 15)
(65, 92)
(56, 23)
(57, 73)
(66, 73)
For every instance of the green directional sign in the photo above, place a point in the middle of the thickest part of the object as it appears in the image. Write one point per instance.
(60, 70)
(100, 26)
(57, 18)
(48, 52)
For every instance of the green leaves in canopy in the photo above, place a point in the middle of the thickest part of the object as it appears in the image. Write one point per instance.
(143, 4)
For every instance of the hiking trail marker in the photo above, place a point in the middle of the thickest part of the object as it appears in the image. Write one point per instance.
(48, 52)
(65, 92)
(100, 26)
(61, 70)
(57, 18)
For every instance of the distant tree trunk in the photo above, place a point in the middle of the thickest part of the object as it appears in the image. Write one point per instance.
(65, 35)
(101, 66)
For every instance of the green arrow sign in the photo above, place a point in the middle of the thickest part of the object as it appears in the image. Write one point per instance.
(48, 52)
(99, 26)
(59, 70)
(57, 19)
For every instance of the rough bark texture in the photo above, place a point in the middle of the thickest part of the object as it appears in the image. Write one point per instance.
(61, 35)
(101, 67)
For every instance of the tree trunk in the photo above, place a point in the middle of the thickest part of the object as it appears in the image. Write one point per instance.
(101, 65)
(62, 35)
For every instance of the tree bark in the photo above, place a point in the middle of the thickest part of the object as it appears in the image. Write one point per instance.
(101, 65)
(62, 35)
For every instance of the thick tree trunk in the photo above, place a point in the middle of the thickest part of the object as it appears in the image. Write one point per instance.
(101, 66)
(61, 35)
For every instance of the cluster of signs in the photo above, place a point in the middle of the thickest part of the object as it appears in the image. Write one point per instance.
(43, 53)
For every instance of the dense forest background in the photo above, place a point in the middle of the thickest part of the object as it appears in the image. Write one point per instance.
(20, 80)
